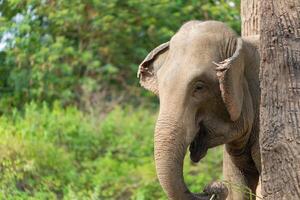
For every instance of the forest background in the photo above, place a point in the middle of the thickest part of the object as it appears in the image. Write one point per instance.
(75, 124)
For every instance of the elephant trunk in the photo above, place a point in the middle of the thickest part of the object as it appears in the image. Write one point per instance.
(170, 146)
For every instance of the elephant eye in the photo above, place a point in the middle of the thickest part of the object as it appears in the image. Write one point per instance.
(199, 89)
(199, 86)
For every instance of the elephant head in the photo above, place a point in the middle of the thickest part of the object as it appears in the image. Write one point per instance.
(204, 98)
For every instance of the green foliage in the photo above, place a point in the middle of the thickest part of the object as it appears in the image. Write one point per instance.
(62, 153)
(80, 52)
(70, 50)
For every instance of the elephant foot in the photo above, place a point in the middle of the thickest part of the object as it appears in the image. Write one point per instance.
(214, 191)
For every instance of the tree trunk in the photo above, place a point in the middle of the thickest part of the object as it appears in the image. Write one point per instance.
(250, 17)
(280, 98)
(278, 24)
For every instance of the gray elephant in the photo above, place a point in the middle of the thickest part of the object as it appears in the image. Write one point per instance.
(206, 78)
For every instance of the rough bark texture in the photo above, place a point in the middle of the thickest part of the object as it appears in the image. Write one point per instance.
(280, 98)
(250, 17)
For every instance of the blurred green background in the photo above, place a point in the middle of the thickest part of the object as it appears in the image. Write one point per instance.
(74, 122)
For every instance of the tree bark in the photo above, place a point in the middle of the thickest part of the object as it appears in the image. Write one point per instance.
(278, 24)
(250, 17)
(280, 98)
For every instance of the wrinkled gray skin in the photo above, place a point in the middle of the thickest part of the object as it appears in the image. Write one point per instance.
(206, 78)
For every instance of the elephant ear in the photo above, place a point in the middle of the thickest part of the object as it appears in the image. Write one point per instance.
(230, 73)
(151, 64)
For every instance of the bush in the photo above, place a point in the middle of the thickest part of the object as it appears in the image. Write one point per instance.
(62, 153)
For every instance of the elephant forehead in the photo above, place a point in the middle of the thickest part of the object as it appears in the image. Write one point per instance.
(179, 72)
(198, 35)
(207, 27)
(196, 47)
(192, 58)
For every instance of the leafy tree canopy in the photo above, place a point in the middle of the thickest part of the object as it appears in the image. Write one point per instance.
(70, 50)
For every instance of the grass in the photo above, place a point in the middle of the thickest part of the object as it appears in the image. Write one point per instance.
(63, 153)
(242, 189)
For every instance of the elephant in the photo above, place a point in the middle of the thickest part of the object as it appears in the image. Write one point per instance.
(207, 81)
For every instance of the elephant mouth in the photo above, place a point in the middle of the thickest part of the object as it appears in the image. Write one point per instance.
(198, 148)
